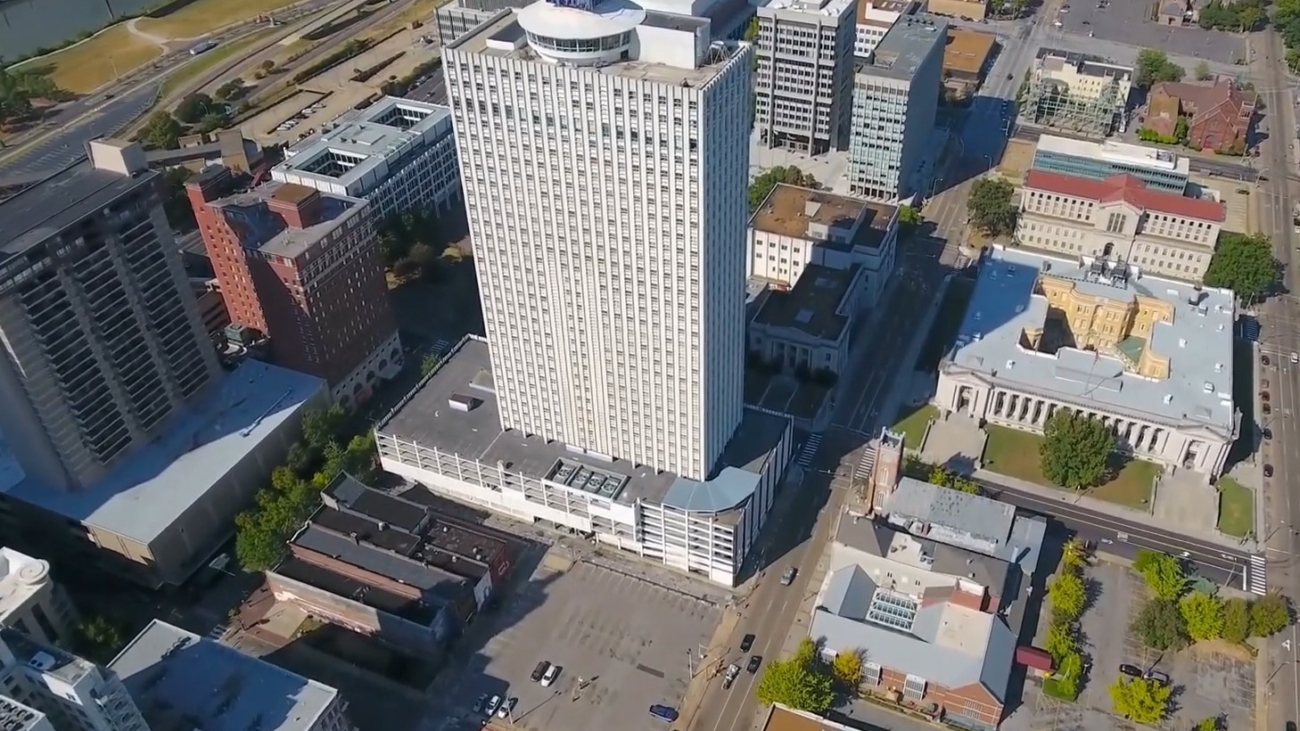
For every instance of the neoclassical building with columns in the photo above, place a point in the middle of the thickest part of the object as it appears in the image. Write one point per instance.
(1150, 357)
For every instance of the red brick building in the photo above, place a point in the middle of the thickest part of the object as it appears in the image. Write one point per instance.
(301, 267)
(1218, 115)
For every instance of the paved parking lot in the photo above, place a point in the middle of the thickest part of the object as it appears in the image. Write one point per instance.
(1128, 22)
(622, 642)
(1207, 681)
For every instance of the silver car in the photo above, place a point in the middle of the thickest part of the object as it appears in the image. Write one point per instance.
(788, 577)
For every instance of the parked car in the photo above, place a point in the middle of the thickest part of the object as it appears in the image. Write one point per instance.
(552, 673)
(507, 707)
(1268, 470)
(1157, 676)
(481, 704)
(1264, 384)
(1267, 433)
(1266, 408)
(540, 671)
(663, 713)
(492, 705)
(754, 662)
(788, 577)
(1130, 670)
(1263, 396)
(1263, 360)
(1295, 357)
(746, 642)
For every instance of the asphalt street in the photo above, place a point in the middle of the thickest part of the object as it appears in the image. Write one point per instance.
(433, 90)
(1280, 333)
(1124, 537)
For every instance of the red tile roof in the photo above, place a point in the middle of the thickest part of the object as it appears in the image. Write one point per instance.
(1129, 189)
(1032, 657)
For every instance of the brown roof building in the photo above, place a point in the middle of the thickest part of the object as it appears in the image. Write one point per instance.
(967, 55)
(301, 267)
(1218, 114)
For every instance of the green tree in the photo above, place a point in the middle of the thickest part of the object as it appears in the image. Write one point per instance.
(1236, 620)
(429, 364)
(98, 639)
(1140, 700)
(799, 682)
(1269, 615)
(909, 218)
(752, 30)
(846, 669)
(1245, 264)
(321, 426)
(1075, 449)
(989, 207)
(161, 132)
(1060, 641)
(1153, 66)
(1074, 554)
(772, 177)
(1163, 573)
(360, 457)
(193, 107)
(1203, 615)
(1160, 625)
(1213, 723)
(1203, 72)
(1068, 596)
(1293, 59)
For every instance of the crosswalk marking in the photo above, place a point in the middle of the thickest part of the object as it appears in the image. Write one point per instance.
(866, 464)
(1255, 575)
(809, 450)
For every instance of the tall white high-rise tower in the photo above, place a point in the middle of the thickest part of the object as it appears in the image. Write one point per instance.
(604, 158)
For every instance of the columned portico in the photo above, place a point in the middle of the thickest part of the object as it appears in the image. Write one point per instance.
(1195, 448)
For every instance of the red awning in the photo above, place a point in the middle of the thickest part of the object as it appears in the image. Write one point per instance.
(1032, 657)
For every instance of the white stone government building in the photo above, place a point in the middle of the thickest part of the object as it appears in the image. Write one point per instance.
(1150, 357)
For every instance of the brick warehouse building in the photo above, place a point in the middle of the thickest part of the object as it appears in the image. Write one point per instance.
(301, 267)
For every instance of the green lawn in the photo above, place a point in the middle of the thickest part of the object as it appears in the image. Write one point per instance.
(1015, 453)
(1236, 508)
(912, 424)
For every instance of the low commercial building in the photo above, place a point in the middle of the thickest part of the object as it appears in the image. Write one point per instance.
(798, 227)
(388, 567)
(895, 100)
(447, 435)
(1218, 114)
(1160, 169)
(227, 147)
(31, 602)
(931, 587)
(1120, 218)
(802, 100)
(874, 19)
(967, 58)
(1149, 357)
(164, 510)
(808, 328)
(47, 688)
(964, 9)
(183, 681)
(1080, 92)
(399, 154)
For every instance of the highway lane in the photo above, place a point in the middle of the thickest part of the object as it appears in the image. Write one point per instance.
(1124, 537)
(1279, 318)
(433, 90)
(111, 109)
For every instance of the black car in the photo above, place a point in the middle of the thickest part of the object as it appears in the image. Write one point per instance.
(1010, 76)
(1268, 434)
(1268, 470)
(540, 671)
(746, 642)
(1130, 670)
(754, 662)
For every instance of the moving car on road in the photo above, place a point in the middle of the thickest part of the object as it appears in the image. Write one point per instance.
(746, 642)
(733, 671)
(754, 662)
(788, 577)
